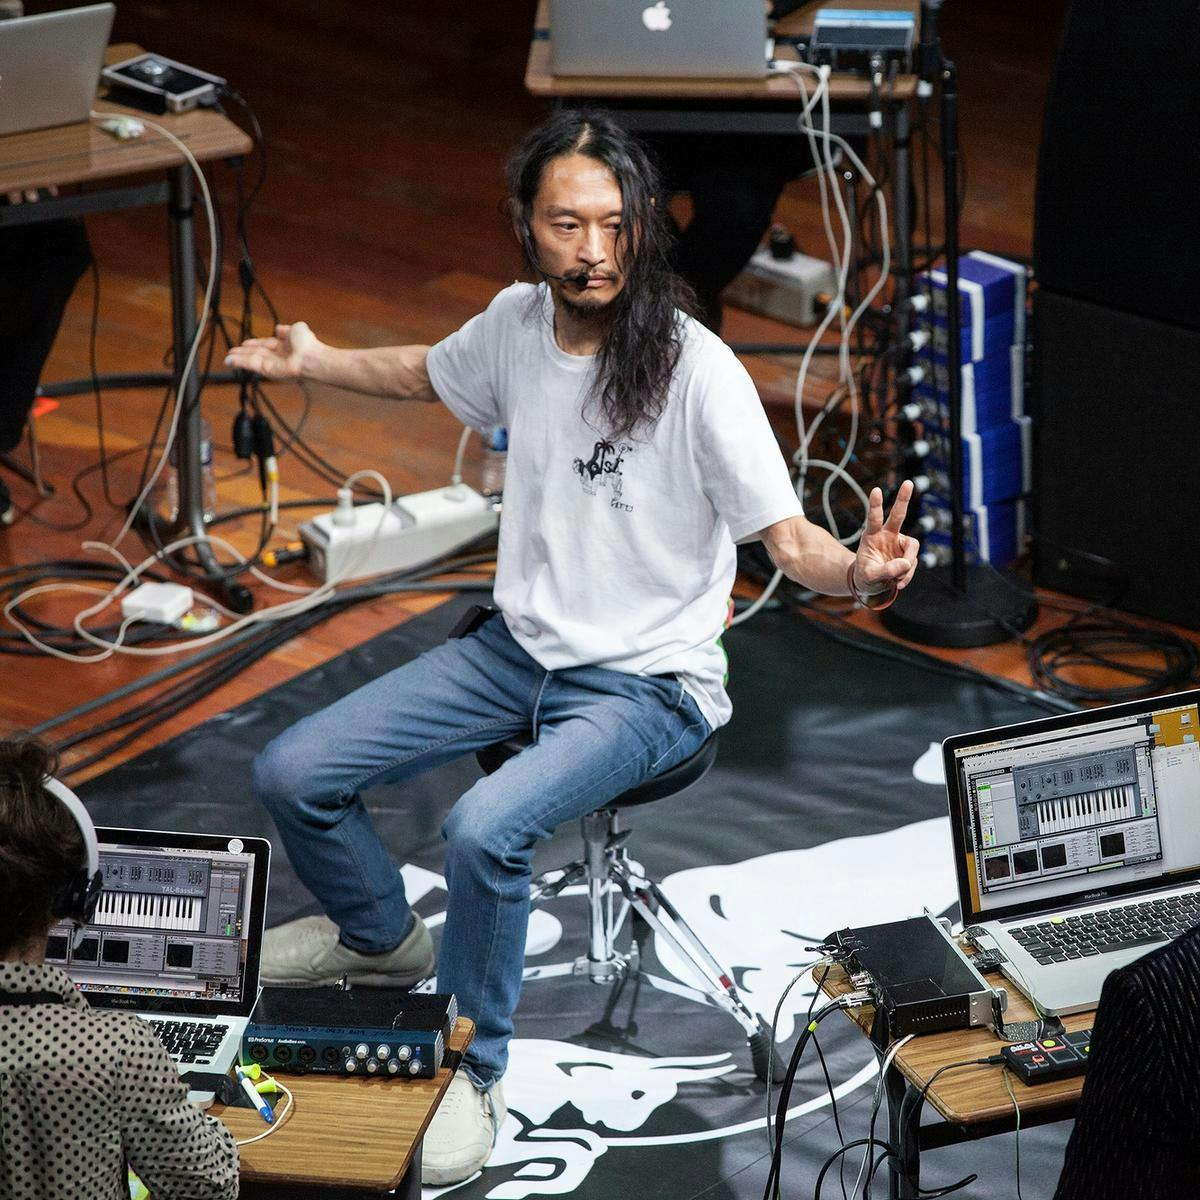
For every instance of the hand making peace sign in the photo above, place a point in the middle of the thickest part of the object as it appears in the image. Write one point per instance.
(885, 557)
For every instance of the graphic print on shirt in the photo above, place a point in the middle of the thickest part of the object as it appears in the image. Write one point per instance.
(603, 469)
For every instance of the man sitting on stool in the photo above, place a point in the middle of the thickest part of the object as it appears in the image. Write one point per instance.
(638, 454)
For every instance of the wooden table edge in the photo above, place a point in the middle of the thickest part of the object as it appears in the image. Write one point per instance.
(460, 1039)
(977, 1042)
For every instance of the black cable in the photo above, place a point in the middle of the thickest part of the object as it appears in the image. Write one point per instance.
(179, 696)
(184, 696)
(837, 1125)
(841, 1152)
(910, 1113)
(1108, 644)
(899, 652)
(771, 1191)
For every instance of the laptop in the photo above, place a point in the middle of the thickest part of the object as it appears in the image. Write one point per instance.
(176, 938)
(50, 67)
(689, 39)
(1077, 841)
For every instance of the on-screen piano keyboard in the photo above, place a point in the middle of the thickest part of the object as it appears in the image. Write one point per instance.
(148, 911)
(1087, 809)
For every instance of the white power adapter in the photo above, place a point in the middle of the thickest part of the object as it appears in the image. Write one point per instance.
(161, 603)
(789, 288)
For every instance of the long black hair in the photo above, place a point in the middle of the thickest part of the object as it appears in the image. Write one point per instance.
(644, 338)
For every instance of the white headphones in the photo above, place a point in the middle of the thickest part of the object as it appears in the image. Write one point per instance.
(77, 901)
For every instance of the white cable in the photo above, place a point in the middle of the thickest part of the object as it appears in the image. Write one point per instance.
(884, 1064)
(837, 306)
(280, 1118)
(846, 374)
(456, 475)
(213, 272)
(764, 596)
(311, 597)
(110, 648)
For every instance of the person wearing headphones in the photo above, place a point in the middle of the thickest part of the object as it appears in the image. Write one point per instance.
(85, 1095)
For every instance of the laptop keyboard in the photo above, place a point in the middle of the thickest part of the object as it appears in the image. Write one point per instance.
(1083, 935)
(188, 1042)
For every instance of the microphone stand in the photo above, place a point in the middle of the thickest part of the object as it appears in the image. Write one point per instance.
(956, 604)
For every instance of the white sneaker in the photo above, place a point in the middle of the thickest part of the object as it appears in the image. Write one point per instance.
(462, 1133)
(307, 953)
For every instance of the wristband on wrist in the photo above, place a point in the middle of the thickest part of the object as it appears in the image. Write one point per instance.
(874, 601)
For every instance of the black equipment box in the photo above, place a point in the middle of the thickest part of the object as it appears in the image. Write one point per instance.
(1050, 1058)
(858, 40)
(160, 85)
(390, 1033)
(922, 981)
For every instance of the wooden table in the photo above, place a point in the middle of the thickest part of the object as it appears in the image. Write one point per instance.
(356, 1133)
(972, 1100)
(85, 156)
(768, 105)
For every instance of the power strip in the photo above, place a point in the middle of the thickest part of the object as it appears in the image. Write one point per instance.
(789, 288)
(368, 540)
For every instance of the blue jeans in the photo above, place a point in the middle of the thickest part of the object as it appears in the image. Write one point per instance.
(599, 733)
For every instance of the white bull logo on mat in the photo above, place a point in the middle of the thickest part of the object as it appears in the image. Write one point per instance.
(757, 917)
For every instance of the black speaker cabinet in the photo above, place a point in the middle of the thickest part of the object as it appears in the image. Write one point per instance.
(1117, 476)
(1119, 165)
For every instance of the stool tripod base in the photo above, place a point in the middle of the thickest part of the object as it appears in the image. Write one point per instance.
(605, 872)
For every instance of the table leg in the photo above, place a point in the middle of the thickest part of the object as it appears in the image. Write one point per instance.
(409, 1187)
(904, 1176)
(902, 268)
(184, 323)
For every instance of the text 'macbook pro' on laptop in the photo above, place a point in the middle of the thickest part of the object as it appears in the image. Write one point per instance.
(1077, 840)
(176, 938)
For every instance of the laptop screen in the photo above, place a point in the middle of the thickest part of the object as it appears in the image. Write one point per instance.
(1078, 808)
(178, 927)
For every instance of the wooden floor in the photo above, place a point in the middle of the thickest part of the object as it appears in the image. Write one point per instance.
(386, 130)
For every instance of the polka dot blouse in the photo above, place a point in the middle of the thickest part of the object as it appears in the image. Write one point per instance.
(84, 1094)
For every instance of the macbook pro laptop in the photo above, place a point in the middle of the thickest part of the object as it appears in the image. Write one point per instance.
(699, 39)
(176, 938)
(50, 67)
(1077, 840)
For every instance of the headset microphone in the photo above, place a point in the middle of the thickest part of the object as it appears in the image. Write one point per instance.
(77, 901)
(578, 279)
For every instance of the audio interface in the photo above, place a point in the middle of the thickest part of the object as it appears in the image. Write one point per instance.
(389, 1033)
(919, 977)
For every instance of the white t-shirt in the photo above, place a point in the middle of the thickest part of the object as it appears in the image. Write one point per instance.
(616, 553)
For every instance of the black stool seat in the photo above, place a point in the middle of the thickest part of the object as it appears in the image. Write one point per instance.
(666, 783)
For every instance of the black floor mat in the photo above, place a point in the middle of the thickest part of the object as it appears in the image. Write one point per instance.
(812, 819)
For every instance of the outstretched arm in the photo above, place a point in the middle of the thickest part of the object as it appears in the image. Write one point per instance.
(295, 353)
(812, 557)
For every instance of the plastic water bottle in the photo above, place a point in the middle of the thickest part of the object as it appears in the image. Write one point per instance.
(495, 455)
(208, 482)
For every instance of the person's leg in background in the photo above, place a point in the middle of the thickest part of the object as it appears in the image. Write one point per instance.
(40, 265)
(735, 182)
